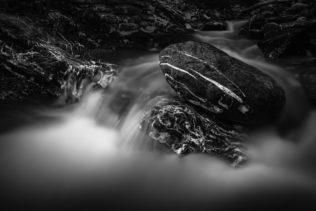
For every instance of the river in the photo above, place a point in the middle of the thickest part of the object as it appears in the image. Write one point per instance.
(93, 152)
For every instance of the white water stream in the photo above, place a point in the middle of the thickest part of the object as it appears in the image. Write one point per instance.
(96, 146)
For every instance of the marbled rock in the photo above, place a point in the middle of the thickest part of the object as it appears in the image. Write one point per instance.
(219, 84)
(180, 127)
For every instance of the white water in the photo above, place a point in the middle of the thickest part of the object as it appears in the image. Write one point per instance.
(97, 146)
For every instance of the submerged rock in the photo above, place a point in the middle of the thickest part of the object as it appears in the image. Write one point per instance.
(219, 84)
(180, 127)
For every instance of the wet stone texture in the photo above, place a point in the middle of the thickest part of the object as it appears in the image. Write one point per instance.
(45, 44)
(35, 65)
(307, 77)
(177, 125)
(212, 81)
(283, 28)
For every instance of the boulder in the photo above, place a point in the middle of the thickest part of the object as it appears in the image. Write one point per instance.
(178, 126)
(35, 65)
(221, 85)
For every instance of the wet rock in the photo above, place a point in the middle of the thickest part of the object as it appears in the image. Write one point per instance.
(293, 38)
(307, 77)
(47, 72)
(308, 81)
(211, 80)
(115, 24)
(179, 127)
(142, 24)
(297, 8)
(215, 26)
(283, 28)
(35, 65)
(270, 28)
(255, 26)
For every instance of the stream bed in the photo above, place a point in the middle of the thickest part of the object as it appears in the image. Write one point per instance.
(93, 152)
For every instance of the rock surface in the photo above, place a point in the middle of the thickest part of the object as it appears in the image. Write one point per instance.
(210, 79)
(113, 24)
(307, 77)
(283, 28)
(294, 38)
(60, 34)
(39, 66)
(173, 123)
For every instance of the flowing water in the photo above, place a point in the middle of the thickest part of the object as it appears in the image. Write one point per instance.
(95, 147)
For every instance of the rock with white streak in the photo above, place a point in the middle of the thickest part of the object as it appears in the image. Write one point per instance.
(178, 126)
(219, 84)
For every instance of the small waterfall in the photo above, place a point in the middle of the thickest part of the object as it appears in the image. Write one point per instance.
(97, 142)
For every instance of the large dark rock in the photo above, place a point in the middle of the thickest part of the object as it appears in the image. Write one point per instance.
(219, 84)
(180, 127)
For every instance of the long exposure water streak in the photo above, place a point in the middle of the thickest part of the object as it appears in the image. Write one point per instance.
(97, 145)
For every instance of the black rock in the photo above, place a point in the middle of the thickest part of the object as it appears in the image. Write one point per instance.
(35, 65)
(289, 39)
(283, 28)
(308, 80)
(270, 29)
(297, 8)
(215, 26)
(210, 79)
(180, 127)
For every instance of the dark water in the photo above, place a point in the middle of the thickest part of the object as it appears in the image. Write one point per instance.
(93, 154)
